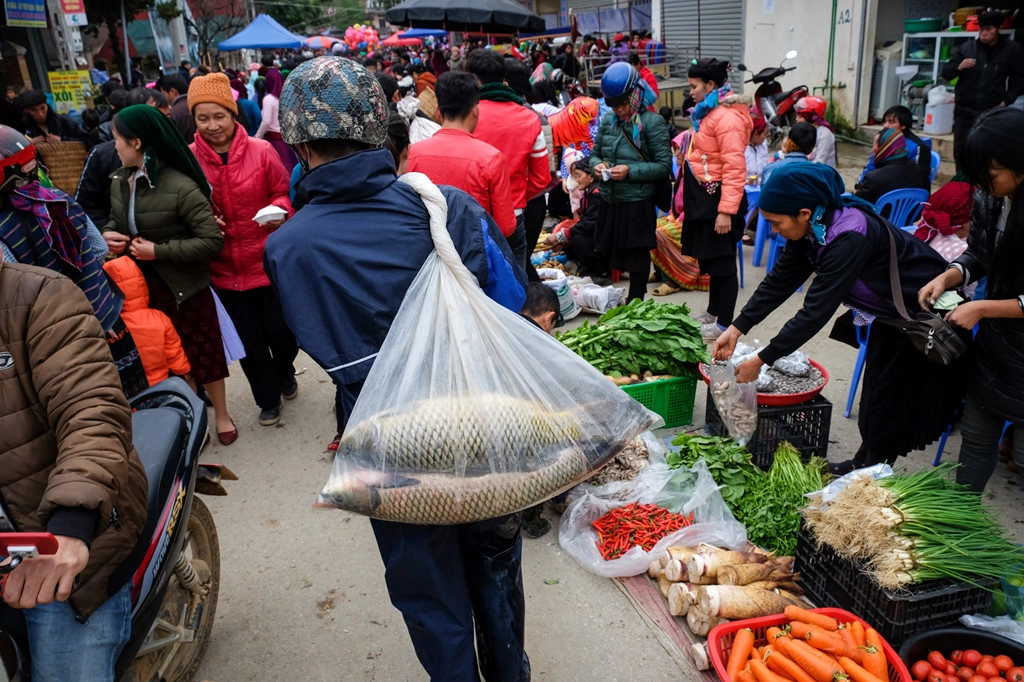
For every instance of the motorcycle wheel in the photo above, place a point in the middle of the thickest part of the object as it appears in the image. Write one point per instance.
(180, 660)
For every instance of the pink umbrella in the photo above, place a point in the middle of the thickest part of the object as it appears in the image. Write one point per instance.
(320, 42)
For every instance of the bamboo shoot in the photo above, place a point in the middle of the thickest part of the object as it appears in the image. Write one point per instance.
(675, 570)
(701, 658)
(680, 598)
(737, 602)
(656, 567)
(704, 564)
(664, 584)
(744, 574)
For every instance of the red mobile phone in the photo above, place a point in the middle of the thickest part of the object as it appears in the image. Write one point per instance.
(27, 544)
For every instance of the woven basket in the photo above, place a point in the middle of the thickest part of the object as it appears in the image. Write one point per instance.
(64, 162)
(960, 16)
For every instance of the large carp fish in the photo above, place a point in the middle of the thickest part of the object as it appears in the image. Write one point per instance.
(459, 460)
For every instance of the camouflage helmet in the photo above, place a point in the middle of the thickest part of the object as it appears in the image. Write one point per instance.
(333, 98)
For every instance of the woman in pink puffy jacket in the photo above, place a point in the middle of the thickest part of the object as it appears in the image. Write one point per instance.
(246, 175)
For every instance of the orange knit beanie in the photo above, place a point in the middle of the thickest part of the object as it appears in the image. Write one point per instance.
(214, 88)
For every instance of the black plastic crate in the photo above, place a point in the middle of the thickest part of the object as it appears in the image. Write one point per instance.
(805, 426)
(831, 580)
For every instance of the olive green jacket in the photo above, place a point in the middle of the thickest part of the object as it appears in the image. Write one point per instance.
(178, 218)
(612, 148)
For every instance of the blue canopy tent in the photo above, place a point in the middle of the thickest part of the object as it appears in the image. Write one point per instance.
(263, 32)
(424, 33)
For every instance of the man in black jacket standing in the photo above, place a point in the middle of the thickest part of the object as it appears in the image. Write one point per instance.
(990, 71)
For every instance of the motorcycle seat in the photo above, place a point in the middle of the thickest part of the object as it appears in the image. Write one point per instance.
(783, 96)
(159, 436)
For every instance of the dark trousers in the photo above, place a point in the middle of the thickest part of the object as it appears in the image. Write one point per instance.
(962, 123)
(270, 347)
(517, 242)
(723, 289)
(533, 220)
(460, 591)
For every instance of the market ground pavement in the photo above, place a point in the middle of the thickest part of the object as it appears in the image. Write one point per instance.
(302, 592)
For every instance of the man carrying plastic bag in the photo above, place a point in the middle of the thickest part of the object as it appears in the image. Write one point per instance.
(452, 434)
(342, 266)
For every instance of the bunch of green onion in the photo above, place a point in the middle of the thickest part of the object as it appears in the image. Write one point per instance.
(938, 530)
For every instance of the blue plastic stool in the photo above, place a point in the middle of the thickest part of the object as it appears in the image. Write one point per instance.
(739, 254)
(863, 333)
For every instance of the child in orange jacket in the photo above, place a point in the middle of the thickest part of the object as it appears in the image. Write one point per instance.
(159, 345)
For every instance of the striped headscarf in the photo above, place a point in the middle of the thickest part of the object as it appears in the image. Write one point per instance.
(891, 145)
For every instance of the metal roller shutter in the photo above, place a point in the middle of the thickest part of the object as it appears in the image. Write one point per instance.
(720, 32)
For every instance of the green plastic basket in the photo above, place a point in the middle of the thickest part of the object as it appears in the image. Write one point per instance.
(671, 398)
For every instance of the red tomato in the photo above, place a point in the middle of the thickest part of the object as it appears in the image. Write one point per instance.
(987, 669)
(1004, 663)
(937, 660)
(957, 657)
(966, 673)
(978, 678)
(972, 658)
(920, 671)
(988, 657)
(1015, 674)
(997, 678)
(936, 676)
(950, 668)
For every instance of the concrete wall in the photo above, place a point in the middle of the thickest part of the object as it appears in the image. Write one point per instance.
(804, 25)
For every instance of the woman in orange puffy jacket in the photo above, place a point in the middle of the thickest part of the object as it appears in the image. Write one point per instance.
(714, 178)
(246, 175)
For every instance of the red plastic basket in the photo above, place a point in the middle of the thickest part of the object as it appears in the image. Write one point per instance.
(720, 641)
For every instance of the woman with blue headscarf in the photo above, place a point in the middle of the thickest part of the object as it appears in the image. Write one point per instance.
(906, 400)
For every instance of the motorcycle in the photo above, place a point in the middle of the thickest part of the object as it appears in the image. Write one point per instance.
(775, 105)
(176, 561)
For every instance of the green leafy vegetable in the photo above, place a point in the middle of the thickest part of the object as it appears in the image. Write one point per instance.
(767, 503)
(641, 336)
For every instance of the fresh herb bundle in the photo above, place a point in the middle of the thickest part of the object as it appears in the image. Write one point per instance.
(767, 503)
(641, 336)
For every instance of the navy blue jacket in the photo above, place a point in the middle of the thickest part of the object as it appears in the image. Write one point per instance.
(343, 263)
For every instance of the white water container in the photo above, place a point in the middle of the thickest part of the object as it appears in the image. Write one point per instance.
(938, 119)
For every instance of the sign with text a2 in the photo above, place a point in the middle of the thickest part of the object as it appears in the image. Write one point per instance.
(25, 13)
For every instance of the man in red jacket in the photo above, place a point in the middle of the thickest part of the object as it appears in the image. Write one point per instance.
(515, 131)
(454, 157)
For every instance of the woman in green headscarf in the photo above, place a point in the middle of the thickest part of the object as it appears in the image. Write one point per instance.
(161, 215)
(907, 401)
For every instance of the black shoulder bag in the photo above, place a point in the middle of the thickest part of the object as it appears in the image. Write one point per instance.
(929, 333)
(662, 188)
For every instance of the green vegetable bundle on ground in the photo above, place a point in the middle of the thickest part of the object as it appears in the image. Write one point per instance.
(768, 503)
(641, 336)
(914, 527)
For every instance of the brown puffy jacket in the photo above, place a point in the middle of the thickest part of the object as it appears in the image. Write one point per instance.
(65, 427)
(717, 150)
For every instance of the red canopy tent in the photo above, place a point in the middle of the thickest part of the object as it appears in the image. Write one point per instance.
(396, 40)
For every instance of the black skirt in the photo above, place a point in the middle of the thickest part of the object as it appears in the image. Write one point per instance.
(906, 401)
(625, 234)
(700, 209)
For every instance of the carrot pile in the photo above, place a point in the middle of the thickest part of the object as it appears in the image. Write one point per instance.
(636, 525)
(812, 647)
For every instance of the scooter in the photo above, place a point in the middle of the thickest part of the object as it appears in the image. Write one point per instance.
(771, 102)
(175, 564)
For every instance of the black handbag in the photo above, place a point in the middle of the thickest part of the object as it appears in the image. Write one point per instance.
(662, 188)
(929, 333)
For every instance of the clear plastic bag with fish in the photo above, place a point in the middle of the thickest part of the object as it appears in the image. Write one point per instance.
(736, 403)
(470, 411)
(678, 490)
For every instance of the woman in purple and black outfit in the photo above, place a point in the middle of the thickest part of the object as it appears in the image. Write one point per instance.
(907, 401)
